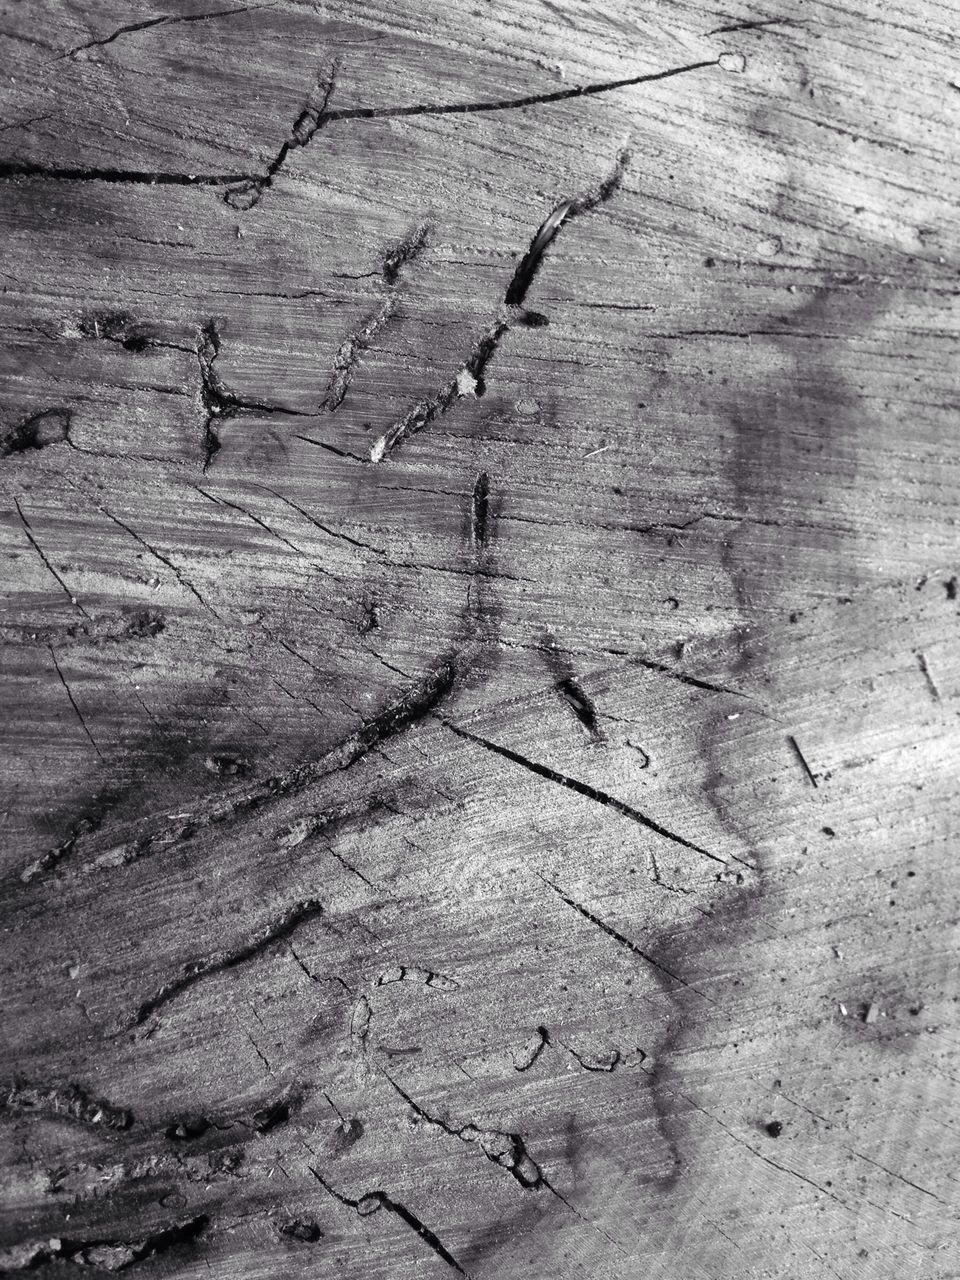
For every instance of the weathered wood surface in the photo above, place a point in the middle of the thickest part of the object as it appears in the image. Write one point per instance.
(480, 735)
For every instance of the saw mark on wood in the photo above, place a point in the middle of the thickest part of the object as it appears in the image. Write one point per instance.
(196, 970)
(371, 1201)
(73, 702)
(584, 789)
(472, 371)
(621, 939)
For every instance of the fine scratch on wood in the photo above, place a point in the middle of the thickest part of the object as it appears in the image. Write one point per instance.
(620, 938)
(28, 530)
(73, 702)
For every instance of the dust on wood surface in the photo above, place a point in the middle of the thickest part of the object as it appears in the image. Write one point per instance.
(480, 640)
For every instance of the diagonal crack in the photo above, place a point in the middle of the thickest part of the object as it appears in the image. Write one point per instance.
(73, 702)
(508, 1150)
(620, 938)
(371, 1201)
(196, 970)
(161, 21)
(585, 789)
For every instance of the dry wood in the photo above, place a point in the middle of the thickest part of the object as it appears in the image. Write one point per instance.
(480, 640)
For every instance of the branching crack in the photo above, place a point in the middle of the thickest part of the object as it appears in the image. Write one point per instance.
(312, 117)
(470, 378)
(371, 1201)
(508, 1150)
(245, 189)
(218, 403)
(157, 555)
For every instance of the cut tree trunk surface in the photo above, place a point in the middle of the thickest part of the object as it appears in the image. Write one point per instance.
(481, 640)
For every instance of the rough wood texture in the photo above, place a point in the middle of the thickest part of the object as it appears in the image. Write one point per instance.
(480, 645)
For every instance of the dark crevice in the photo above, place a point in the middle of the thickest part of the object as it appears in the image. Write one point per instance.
(371, 1201)
(163, 20)
(38, 431)
(134, 177)
(196, 970)
(248, 191)
(508, 1150)
(480, 511)
(529, 264)
(470, 378)
(513, 104)
(330, 448)
(112, 1254)
(753, 26)
(581, 706)
(584, 789)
